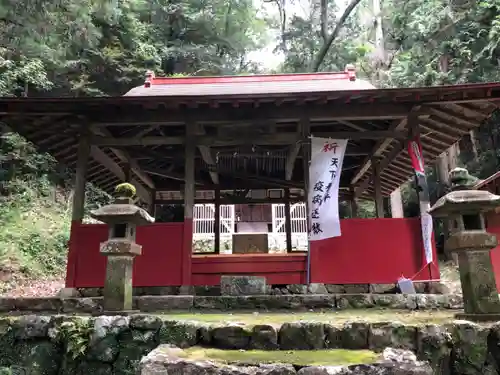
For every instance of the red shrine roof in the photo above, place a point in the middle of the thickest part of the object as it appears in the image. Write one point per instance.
(251, 84)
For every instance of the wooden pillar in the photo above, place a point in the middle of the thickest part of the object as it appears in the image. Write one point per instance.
(306, 157)
(153, 203)
(189, 194)
(353, 205)
(397, 204)
(127, 171)
(378, 197)
(305, 129)
(288, 222)
(82, 162)
(217, 221)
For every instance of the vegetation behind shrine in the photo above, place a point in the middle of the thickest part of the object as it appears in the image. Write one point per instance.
(89, 48)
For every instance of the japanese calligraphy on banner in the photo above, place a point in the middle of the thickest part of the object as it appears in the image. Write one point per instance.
(417, 161)
(327, 156)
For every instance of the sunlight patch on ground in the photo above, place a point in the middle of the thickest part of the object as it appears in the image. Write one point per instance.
(295, 357)
(333, 317)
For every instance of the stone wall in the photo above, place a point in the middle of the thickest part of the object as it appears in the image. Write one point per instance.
(420, 287)
(114, 345)
(254, 303)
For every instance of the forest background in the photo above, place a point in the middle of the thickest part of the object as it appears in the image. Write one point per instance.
(95, 48)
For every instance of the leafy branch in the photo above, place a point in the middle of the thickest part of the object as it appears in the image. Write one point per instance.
(320, 56)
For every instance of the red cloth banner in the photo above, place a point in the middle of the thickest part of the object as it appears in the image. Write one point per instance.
(417, 161)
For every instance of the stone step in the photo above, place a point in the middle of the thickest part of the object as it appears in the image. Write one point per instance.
(252, 303)
(433, 287)
(166, 360)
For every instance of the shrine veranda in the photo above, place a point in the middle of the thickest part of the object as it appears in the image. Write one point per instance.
(245, 142)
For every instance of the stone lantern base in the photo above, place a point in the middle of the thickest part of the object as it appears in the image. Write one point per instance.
(120, 255)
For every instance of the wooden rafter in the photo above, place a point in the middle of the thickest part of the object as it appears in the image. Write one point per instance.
(383, 164)
(231, 115)
(269, 139)
(458, 121)
(206, 153)
(125, 158)
(377, 151)
(101, 157)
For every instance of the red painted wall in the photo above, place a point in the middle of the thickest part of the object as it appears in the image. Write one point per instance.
(369, 251)
(493, 222)
(277, 268)
(159, 264)
(372, 251)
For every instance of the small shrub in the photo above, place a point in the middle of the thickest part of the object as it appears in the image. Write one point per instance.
(125, 190)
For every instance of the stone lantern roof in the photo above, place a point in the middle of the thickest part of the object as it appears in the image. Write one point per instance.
(117, 213)
(462, 202)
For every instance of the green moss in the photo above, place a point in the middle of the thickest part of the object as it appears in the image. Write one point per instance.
(294, 357)
(125, 190)
(335, 318)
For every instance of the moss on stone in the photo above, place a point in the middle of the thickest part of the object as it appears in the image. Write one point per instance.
(332, 317)
(294, 357)
(125, 190)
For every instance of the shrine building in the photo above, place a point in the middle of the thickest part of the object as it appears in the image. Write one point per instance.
(232, 154)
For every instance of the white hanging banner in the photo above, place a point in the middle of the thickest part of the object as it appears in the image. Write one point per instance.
(327, 156)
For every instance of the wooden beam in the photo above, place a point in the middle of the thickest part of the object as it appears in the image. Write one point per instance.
(457, 121)
(444, 127)
(292, 155)
(285, 113)
(81, 174)
(189, 197)
(352, 126)
(467, 112)
(377, 186)
(216, 220)
(166, 173)
(288, 222)
(377, 151)
(125, 158)
(383, 164)
(206, 154)
(100, 156)
(270, 139)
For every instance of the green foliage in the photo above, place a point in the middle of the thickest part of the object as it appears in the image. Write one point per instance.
(76, 335)
(125, 190)
(104, 48)
(35, 209)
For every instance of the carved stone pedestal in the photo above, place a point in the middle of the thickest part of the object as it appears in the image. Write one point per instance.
(472, 244)
(118, 284)
(122, 217)
(233, 285)
(476, 273)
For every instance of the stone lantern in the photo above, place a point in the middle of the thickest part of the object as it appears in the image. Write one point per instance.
(122, 217)
(472, 244)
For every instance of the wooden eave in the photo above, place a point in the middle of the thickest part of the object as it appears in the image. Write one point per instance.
(444, 113)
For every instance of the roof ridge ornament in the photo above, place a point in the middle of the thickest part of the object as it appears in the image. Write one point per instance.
(150, 75)
(350, 69)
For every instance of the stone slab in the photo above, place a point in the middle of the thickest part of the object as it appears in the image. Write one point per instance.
(117, 313)
(478, 317)
(234, 285)
(316, 288)
(254, 303)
